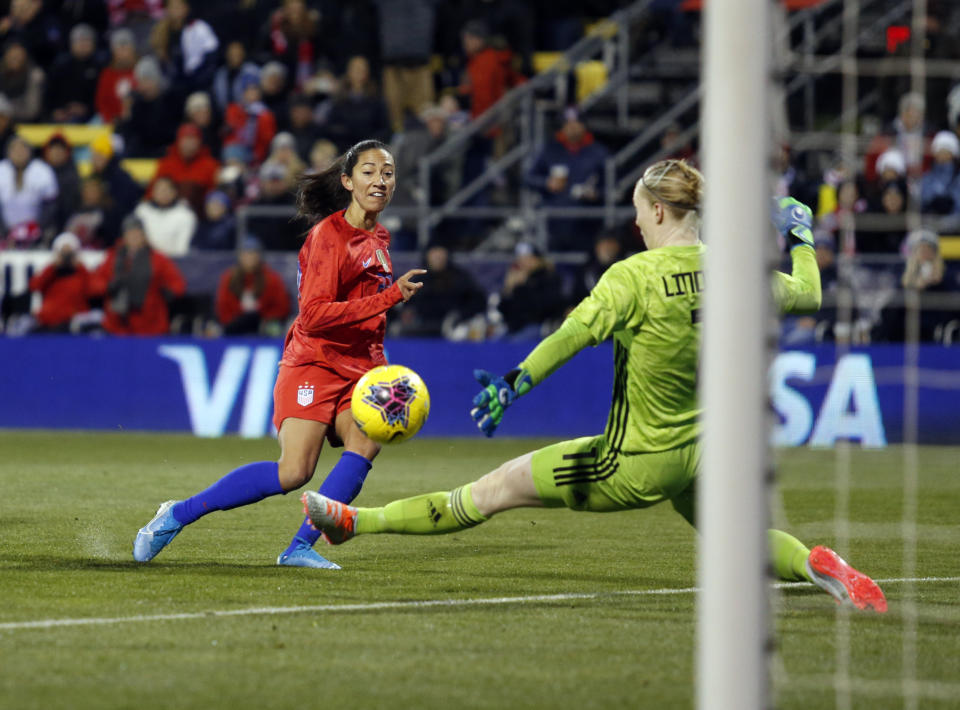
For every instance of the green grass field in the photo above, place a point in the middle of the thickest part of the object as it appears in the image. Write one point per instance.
(71, 504)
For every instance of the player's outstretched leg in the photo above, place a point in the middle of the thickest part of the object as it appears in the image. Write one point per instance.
(430, 514)
(242, 486)
(342, 484)
(831, 573)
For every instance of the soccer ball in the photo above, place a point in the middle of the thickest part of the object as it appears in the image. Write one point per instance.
(390, 403)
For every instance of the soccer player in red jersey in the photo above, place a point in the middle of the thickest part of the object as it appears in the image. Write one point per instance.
(346, 286)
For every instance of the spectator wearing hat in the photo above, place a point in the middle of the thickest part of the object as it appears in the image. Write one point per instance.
(407, 29)
(72, 82)
(218, 228)
(569, 172)
(64, 285)
(489, 72)
(278, 232)
(28, 191)
(275, 90)
(189, 164)
(251, 297)
(532, 293)
(249, 123)
(358, 111)
(154, 114)
(199, 111)
(167, 219)
(283, 151)
(21, 81)
(939, 187)
(923, 274)
(228, 81)
(115, 83)
(136, 283)
(58, 154)
(907, 134)
(96, 222)
(123, 190)
(186, 45)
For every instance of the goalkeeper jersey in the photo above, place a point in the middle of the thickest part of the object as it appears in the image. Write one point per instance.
(650, 304)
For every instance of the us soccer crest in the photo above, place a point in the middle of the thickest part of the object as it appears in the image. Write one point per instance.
(305, 394)
(392, 400)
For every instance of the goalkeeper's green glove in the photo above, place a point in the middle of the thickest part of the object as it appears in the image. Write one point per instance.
(497, 394)
(794, 221)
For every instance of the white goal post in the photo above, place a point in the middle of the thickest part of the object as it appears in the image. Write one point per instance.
(732, 561)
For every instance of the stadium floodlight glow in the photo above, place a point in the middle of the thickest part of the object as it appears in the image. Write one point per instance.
(732, 605)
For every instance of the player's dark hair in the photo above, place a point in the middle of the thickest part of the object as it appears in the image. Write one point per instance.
(321, 194)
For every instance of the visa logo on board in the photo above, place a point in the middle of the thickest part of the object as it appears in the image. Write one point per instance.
(850, 409)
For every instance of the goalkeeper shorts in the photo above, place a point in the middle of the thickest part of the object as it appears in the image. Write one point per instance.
(588, 474)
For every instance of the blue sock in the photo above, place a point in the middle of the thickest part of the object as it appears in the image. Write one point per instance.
(343, 484)
(242, 486)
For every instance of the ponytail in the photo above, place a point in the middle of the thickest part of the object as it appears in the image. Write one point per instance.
(321, 194)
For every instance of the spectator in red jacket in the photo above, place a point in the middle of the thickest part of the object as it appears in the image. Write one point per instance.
(489, 72)
(251, 296)
(64, 285)
(136, 281)
(116, 79)
(190, 165)
(250, 123)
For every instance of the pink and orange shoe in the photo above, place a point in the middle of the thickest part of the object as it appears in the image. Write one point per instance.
(832, 574)
(336, 521)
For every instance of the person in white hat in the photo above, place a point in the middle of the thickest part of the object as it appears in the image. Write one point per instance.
(939, 187)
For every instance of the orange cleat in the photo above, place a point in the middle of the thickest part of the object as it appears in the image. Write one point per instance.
(832, 574)
(336, 521)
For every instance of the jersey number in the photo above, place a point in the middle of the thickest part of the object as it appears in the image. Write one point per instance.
(694, 315)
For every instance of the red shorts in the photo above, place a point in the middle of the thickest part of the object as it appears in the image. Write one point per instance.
(310, 392)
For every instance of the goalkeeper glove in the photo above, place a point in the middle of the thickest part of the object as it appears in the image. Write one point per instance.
(497, 394)
(794, 220)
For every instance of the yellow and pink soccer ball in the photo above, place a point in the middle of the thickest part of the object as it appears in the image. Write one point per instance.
(390, 403)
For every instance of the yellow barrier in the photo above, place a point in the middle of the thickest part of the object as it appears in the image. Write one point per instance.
(37, 134)
(950, 247)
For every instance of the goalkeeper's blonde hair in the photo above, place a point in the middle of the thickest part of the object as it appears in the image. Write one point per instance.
(677, 185)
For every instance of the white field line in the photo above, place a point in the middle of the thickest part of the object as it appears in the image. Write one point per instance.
(401, 605)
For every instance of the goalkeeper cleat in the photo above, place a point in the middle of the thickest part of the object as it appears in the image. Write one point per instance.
(156, 534)
(336, 521)
(303, 555)
(832, 574)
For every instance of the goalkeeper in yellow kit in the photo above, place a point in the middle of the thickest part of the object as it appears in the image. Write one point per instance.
(650, 451)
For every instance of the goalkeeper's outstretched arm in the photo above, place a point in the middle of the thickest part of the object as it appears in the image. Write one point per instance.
(799, 291)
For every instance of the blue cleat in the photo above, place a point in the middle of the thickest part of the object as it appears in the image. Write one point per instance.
(156, 534)
(303, 555)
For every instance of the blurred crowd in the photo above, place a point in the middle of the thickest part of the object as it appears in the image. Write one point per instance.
(227, 102)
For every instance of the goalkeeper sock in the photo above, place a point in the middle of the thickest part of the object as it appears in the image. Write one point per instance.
(430, 514)
(789, 556)
(343, 484)
(242, 486)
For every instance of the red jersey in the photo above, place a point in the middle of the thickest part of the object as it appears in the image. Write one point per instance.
(345, 288)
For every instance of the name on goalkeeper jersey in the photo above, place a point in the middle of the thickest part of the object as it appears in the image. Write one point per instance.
(684, 283)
